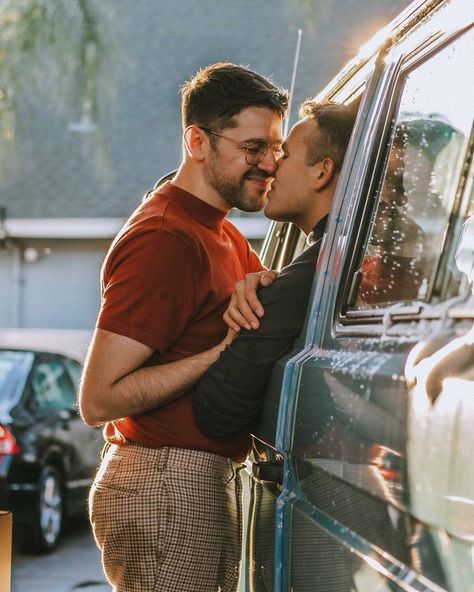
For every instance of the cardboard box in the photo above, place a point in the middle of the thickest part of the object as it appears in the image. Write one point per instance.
(5, 550)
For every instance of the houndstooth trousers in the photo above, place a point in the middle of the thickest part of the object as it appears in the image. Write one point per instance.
(167, 519)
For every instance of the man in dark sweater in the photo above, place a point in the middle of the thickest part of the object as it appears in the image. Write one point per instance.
(229, 396)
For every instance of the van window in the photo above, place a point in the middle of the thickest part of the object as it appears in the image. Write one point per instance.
(418, 194)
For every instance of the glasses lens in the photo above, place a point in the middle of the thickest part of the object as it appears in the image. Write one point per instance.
(255, 154)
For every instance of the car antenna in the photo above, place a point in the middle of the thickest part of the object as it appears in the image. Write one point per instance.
(3, 229)
(293, 79)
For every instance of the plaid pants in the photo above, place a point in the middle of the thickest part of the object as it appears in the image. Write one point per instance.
(167, 519)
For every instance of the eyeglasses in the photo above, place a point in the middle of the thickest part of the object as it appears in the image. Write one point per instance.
(255, 152)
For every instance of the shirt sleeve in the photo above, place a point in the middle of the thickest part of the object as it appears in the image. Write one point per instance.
(230, 395)
(149, 289)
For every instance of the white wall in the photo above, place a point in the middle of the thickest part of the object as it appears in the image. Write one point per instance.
(8, 284)
(59, 290)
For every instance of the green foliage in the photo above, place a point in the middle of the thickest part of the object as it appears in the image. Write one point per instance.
(63, 52)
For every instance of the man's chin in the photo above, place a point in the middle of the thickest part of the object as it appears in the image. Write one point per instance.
(273, 213)
(252, 203)
(253, 206)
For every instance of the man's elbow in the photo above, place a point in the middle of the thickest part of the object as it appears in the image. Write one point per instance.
(90, 416)
(91, 412)
(91, 420)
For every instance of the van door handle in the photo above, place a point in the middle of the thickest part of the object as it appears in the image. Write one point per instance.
(270, 471)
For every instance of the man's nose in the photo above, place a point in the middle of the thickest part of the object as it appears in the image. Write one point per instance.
(268, 163)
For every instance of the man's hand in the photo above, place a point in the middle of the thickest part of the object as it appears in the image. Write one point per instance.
(244, 308)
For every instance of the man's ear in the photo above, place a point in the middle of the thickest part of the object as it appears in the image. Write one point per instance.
(323, 173)
(194, 142)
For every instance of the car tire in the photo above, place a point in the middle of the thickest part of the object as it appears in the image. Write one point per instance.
(49, 511)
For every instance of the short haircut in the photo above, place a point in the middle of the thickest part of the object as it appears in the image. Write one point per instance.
(220, 91)
(335, 122)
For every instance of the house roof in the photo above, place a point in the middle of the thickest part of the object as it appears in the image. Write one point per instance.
(102, 228)
(61, 228)
(159, 45)
(68, 342)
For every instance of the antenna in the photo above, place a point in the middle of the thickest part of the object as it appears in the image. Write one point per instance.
(3, 230)
(293, 79)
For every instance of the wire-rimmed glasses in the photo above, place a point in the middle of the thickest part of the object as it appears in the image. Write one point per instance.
(255, 152)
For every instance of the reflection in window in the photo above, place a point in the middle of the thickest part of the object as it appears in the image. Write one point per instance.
(417, 193)
(393, 268)
(7, 365)
(75, 371)
(14, 368)
(52, 387)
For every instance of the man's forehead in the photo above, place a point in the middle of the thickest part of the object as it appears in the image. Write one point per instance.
(301, 129)
(258, 118)
(307, 124)
(258, 132)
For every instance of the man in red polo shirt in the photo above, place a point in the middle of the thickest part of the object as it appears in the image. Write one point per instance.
(165, 502)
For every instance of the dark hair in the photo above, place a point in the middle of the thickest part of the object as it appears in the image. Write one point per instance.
(220, 91)
(335, 122)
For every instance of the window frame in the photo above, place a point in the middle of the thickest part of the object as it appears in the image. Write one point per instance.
(372, 320)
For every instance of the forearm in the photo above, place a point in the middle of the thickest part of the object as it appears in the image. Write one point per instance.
(143, 389)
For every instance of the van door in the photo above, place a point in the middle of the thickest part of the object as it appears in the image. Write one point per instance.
(366, 483)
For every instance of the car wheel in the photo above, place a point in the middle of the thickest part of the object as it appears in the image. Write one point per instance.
(48, 520)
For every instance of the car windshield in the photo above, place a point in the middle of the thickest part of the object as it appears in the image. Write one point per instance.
(14, 368)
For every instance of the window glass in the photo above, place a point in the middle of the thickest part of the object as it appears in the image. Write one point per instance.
(75, 371)
(14, 369)
(453, 280)
(417, 194)
(52, 386)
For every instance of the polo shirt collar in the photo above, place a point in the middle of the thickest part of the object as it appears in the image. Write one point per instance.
(197, 208)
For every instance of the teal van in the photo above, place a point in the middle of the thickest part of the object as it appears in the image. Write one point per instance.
(362, 478)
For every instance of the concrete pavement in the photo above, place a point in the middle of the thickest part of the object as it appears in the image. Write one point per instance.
(75, 565)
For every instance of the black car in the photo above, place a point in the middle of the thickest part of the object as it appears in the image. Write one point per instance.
(48, 456)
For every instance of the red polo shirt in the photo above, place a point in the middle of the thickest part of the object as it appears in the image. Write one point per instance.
(166, 282)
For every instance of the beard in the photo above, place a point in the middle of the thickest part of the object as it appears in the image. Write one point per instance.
(232, 190)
